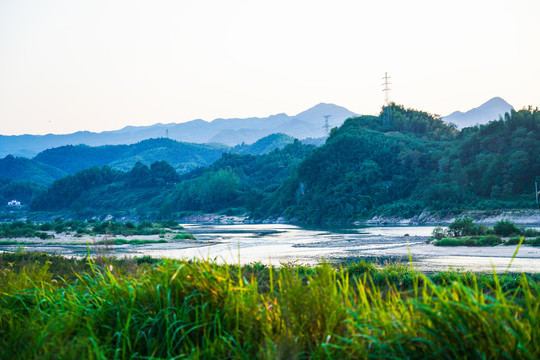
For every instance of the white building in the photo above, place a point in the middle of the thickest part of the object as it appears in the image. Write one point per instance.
(14, 203)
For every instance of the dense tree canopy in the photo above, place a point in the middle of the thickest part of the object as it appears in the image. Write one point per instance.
(405, 161)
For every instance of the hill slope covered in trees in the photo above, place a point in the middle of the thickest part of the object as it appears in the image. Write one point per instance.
(399, 163)
(234, 181)
(410, 161)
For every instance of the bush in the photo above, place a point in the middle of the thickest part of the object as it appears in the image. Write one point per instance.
(183, 236)
(439, 233)
(144, 224)
(360, 268)
(487, 240)
(169, 223)
(46, 226)
(514, 241)
(506, 228)
(43, 235)
(531, 233)
(465, 227)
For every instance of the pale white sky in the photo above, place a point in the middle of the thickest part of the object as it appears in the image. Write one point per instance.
(100, 65)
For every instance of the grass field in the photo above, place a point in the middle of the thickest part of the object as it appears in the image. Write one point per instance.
(55, 307)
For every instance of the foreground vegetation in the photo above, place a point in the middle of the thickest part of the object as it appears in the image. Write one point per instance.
(53, 307)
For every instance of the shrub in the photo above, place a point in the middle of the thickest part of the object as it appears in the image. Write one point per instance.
(439, 233)
(43, 235)
(465, 226)
(531, 232)
(514, 241)
(171, 224)
(144, 224)
(147, 259)
(487, 240)
(46, 226)
(183, 236)
(360, 268)
(506, 228)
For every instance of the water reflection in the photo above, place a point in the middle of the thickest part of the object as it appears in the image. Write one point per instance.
(278, 243)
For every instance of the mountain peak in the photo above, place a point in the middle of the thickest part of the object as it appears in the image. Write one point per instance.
(321, 106)
(496, 99)
(488, 111)
(322, 109)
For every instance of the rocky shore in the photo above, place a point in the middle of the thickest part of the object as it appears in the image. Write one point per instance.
(527, 217)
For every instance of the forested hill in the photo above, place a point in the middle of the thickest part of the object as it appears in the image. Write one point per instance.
(404, 161)
(23, 169)
(182, 156)
(234, 182)
(399, 163)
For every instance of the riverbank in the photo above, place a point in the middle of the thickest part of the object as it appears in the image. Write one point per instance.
(521, 217)
(526, 217)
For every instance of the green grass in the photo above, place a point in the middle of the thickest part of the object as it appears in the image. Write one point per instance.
(183, 236)
(486, 240)
(10, 242)
(129, 242)
(199, 310)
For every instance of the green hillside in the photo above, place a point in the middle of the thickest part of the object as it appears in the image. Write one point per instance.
(182, 156)
(23, 191)
(23, 169)
(240, 181)
(236, 181)
(264, 145)
(404, 161)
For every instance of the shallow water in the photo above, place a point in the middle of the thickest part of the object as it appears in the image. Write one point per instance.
(280, 243)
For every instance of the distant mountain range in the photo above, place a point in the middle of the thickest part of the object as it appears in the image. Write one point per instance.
(307, 124)
(488, 111)
(230, 132)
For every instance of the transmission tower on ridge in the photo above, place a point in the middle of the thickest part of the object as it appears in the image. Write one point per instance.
(387, 109)
(386, 88)
(326, 127)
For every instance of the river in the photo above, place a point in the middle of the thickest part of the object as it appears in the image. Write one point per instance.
(280, 243)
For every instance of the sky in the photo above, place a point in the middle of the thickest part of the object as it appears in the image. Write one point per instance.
(99, 65)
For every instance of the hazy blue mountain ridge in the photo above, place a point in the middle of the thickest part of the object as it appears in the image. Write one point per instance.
(230, 132)
(488, 111)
